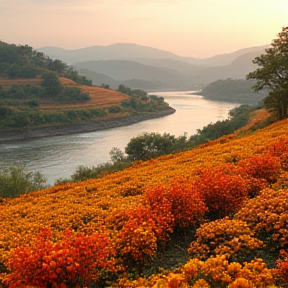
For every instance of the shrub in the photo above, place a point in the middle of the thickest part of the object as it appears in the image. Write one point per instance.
(282, 267)
(230, 238)
(267, 216)
(263, 167)
(15, 181)
(174, 206)
(72, 260)
(136, 240)
(223, 190)
(218, 272)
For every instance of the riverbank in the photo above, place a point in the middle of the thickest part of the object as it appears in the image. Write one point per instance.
(97, 125)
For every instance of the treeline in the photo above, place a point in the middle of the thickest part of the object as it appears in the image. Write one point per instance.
(22, 61)
(20, 105)
(26, 118)
(141, 101)
(233, 90)
(30, 95)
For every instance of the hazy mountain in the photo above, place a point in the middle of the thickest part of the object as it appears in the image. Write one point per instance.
(144, 66)
(225, 59)
(129, 51)
(124, 70)
(118, 51)
(177, 65)
(98, 79)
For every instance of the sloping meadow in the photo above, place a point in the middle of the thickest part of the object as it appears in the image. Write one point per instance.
(231, 192)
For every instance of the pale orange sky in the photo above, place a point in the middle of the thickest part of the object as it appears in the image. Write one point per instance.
(196, 28)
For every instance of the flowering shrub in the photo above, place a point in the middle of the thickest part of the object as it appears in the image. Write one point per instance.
(223, 190)
(174, 206)
(259, 171)
(72, 260)
(263, 166)
(218, 272)
(280, 149)
(188, 206)
(230, 238)
(282, 267)
(136, 239)
(267, 216)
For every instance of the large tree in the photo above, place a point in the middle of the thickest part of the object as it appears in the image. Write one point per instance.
(273, 74)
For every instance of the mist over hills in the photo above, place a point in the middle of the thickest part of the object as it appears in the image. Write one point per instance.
(149, 68)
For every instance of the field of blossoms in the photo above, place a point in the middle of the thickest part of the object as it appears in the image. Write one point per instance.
(231, 195)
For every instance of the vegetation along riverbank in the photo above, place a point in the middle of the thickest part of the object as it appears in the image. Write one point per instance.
(41, 97)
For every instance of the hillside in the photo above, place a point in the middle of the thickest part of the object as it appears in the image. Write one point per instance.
(234, 90)
(37, 92)
(100, 97)
(224, 200)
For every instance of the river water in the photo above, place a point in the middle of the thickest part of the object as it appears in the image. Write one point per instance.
(58, 157)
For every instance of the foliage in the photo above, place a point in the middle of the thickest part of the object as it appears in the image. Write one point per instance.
(273, 74)
(218, 272)
(140, 101)
(230, 238)
(259, 171)
(267, 216)
(73, 94)
(223, 190)
(151, 145)
(114, 109)
(282, 267)
(19, 61)
(24, 117)
(51, 84)
(232, 90)
(15, 181)
(174, 207)
(72, 260)
(137, 240)
(83, 172)
(117, 155)
(239, 117)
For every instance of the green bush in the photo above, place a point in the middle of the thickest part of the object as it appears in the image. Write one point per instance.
(15, 181)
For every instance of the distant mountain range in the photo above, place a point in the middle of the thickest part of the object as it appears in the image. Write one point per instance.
(151, 69)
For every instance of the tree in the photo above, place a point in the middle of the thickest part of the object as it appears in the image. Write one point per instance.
(117, 155)
(51, 83)
(273, 74)
(150, 145)
(15, 181)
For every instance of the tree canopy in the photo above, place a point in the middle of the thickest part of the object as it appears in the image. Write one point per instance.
(232, 90)
(19, 61)
(273, 74)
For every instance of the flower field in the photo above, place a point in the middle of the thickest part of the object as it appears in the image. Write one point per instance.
(231, 194)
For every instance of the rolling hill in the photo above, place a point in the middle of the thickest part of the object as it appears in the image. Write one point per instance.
(144, 66)
(37, 92)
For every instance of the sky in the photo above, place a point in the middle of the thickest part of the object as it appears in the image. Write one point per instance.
(194, 28)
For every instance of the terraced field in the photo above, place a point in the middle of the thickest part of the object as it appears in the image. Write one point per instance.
(100, 97)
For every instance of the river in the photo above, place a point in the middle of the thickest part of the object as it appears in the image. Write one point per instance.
(58, 157)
